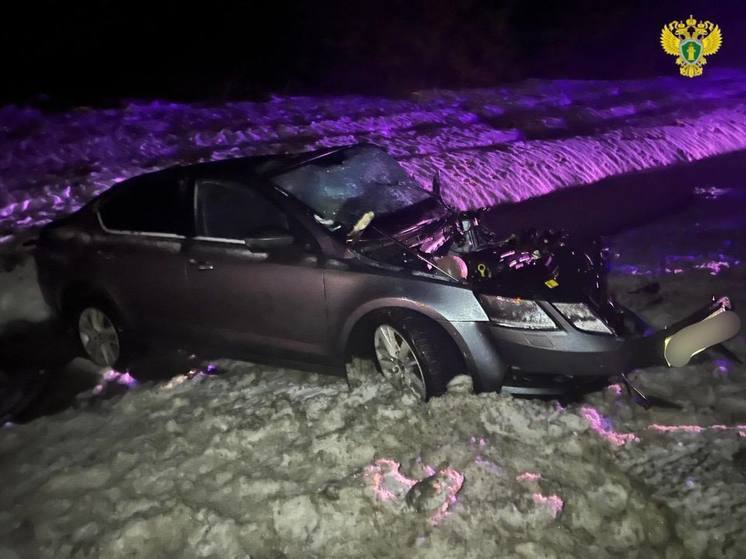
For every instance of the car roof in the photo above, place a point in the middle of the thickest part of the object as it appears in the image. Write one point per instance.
(242, 168)
(238, 170)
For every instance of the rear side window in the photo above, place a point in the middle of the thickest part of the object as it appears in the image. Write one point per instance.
(228, 211)
(153, 205)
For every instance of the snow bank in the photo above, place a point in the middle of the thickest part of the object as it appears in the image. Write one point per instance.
(490, 145)
(254, 463)
(264, 462)
(20, 297)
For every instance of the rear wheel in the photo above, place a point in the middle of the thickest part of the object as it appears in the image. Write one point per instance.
(100, 335)
(415, 355)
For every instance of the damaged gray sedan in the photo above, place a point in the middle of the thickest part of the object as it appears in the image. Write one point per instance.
(315, 257)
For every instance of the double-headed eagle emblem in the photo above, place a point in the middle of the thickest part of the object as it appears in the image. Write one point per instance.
(690, 42)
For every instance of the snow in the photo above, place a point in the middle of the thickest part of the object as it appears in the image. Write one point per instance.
(601, 426)
(20, 298)
(264, 462)
(250, 461)
(240, 460)
(490, 145)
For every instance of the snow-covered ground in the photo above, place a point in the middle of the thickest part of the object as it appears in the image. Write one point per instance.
(491, 145)
(266, 463)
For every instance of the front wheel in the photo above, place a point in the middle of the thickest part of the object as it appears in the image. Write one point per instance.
(415, 355)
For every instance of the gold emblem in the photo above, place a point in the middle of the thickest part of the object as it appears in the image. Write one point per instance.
(690, 42)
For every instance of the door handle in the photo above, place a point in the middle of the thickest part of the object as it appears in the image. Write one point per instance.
(201, 265)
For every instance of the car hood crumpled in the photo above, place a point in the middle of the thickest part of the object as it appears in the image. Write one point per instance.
(544, 265)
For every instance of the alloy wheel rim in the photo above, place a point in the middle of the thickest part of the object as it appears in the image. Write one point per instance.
(99, 337)
(398, 361)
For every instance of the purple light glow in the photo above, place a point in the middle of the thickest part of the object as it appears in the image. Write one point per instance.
(603, 427)
(390, 485)
(528, 476)
(450, 482)
(711, 192)
(121, 378)
(722, 367)
(481, 442)
(196, 375)
(53, 163)
(553, 503)
(715, 267)
(488, 465)
(740, 429)
(676, 428)
(387, 481)
(714, 262)
(615, 389)
(110, 376)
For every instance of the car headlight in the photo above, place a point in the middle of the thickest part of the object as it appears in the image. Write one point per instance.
(516, 313)
(582, 317)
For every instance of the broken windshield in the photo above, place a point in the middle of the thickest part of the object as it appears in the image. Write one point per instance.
(343, 186)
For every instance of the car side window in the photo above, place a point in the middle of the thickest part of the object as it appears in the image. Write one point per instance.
(155, 205)
(227, 211)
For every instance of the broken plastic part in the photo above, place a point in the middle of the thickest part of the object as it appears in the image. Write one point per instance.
(321, 220)
(361, 225)
(719, 326)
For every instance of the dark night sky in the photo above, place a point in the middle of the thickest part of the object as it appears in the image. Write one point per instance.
(94, 51)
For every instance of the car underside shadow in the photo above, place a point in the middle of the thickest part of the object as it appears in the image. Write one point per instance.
(35, 374)
(41, 372)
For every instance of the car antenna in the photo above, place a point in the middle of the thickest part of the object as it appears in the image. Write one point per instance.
(436, 190)
(436, 185)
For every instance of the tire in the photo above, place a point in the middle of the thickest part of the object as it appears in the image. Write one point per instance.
(437, 357)
(97, 326)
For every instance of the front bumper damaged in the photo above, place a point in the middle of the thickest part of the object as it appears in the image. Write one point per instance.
(569, 352)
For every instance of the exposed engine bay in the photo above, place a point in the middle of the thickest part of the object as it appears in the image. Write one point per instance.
(535, 264)
(528, 264)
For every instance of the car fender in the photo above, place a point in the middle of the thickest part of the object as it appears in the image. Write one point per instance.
(482, 362)
(440, 302)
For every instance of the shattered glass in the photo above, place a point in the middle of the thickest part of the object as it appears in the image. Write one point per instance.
(344, 186)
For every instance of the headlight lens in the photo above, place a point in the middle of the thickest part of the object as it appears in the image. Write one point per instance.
(517, 313)
(582, 317)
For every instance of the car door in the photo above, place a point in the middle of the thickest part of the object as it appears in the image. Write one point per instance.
(139, 254)
(265, 297)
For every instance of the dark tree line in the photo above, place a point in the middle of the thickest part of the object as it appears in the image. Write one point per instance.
(89, 51)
